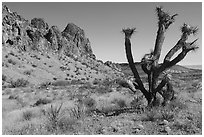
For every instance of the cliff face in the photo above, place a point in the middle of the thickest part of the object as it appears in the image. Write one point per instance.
(39, 53)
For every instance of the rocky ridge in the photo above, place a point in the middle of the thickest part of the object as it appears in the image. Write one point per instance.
(47, 54)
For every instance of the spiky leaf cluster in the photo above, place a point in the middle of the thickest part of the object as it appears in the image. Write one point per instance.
(164, 17)
(187, 29)
(128, 32)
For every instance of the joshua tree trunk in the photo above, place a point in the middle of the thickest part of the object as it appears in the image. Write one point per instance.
(149, 62)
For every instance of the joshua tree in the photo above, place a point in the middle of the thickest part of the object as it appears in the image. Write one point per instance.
(149, 62)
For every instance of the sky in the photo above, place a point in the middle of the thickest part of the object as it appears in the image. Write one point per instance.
(103, 22)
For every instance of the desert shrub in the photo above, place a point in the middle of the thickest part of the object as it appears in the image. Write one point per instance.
(187, 127)
(19, 83)
(6, 56)
(166, 114)
(151, 114)
(102, 89)
(177, 105)
(13, 96)
(122, 83)
(66, 79)
(75, 82)
(108, 109)
(86, 86)
(198, 120)
(53, 114)
(63, 68)
(26, 129)
(45, 85)
(34, 66)
(42, 101)
(66, 124)
(61, 83)
(89, 102)
(4, 77)
(27, 72)
(27, 115)
(137, 102)
(96, 81)
(90, 105)
(21, 101)
(120, 102)
(83, 79)
(11, 62)
(54, 78)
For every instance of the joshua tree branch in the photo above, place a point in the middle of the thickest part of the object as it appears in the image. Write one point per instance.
(186, 47)
(165, 20)
(159, 42)
(186, 30)
(173, 51)
(128, 32)
(131, 62)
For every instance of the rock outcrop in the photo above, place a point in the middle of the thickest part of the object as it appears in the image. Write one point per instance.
(36, 35)
(80, 44)
(39, 53)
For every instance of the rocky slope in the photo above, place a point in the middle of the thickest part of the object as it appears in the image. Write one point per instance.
(40, 53)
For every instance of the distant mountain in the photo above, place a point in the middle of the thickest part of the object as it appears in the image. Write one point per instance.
(174, 69)
(194, 66)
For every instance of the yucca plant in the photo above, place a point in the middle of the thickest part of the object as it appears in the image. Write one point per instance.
(149, 62)
(54, 115)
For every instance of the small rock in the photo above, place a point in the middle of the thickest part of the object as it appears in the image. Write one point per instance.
(167, 129)
(165, 122)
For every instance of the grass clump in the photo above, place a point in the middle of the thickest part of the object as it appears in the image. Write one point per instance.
(27, 115)
(77, 112)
